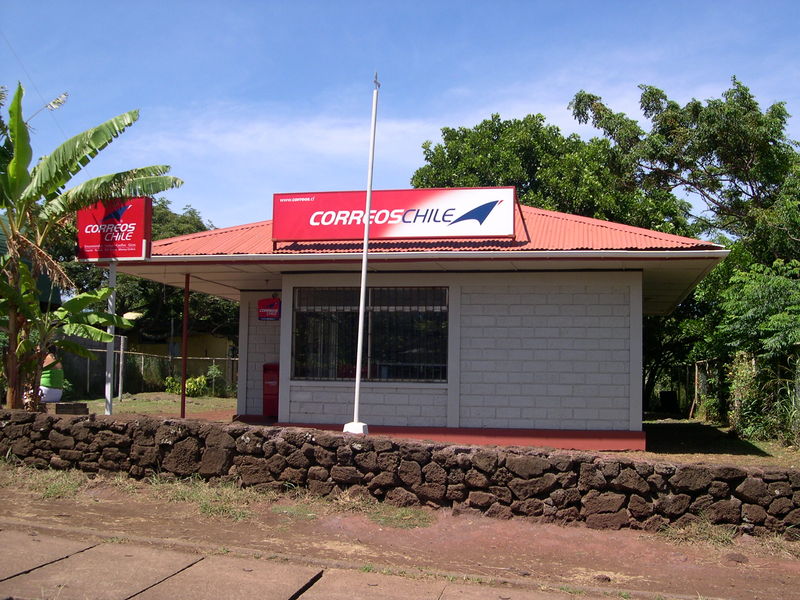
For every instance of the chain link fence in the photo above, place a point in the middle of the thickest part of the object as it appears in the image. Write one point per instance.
(142, 372)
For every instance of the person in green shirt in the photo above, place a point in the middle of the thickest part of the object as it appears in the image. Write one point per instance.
(51, 385)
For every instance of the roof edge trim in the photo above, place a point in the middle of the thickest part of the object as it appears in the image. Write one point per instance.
(445, 255)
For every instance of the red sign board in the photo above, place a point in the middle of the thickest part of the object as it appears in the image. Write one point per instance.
(395, 214)
(115, 230)
(269, 309)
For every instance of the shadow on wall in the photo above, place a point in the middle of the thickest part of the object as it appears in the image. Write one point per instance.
(693, 438)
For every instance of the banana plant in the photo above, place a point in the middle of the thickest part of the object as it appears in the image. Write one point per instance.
(78, 317)
(35, 202)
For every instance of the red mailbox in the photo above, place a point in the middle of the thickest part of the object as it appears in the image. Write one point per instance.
(271, 390)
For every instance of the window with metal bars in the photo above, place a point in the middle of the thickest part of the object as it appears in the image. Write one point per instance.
(405, 334)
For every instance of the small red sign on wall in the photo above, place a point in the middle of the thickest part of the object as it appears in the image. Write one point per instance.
(269, 309)
(116, 229)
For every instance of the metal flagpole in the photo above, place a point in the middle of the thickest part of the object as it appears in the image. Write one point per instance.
(112, 301)
(357, 426)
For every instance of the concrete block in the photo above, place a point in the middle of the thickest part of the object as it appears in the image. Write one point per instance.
(408, 411)
(508, 413)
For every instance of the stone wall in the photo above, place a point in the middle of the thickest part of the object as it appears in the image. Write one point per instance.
(549, 486)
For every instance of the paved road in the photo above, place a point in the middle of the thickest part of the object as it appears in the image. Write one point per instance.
(45, 567)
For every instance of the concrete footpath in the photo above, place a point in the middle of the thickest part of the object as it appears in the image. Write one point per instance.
(36, 566)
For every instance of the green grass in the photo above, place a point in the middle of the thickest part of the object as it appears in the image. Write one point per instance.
(571, 590)
(399, 518)
(161, 403)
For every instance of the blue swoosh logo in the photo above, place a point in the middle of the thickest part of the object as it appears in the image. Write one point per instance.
(117, 214)
(478, 214)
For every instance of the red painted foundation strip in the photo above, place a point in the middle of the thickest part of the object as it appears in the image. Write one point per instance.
(551, 438)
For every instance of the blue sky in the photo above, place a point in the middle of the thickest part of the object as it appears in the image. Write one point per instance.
(245, 99)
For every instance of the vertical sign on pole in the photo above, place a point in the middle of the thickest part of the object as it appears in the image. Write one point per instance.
(111, 231)
(356, 426)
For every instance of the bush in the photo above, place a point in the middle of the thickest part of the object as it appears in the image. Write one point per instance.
(195, 386)
(711, 409)
(172, 385)
(766, 402)
(68, 393)
(215, 380)
(154, 373)
(745, 414)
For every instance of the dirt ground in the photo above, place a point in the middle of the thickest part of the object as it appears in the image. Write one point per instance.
(572, 560)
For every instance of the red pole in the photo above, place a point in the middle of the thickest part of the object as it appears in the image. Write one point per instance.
(184, 343)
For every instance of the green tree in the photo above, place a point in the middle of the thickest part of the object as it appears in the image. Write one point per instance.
(36, 204)
(550, 171)
(726, 151)
(761, 324)
(762, 309)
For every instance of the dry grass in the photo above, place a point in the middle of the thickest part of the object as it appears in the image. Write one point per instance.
(778, 546)
(701, 531)
(220, 500)
(725, 536)
(225, 500)
(689, 441)
(303, 506)
(46, 484)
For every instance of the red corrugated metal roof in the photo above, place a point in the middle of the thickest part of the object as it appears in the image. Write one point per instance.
(253, 238)
(537, 230)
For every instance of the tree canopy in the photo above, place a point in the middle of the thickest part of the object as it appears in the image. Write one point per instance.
(726, 151)
(550, 171)
(159, 304)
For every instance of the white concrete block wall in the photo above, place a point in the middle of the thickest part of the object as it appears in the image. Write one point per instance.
(546, 351)
(262, 346)
(381, 404)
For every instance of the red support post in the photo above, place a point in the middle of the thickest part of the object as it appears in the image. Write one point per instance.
(184, 343)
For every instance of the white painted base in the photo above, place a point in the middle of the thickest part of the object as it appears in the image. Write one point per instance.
(356, 427)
